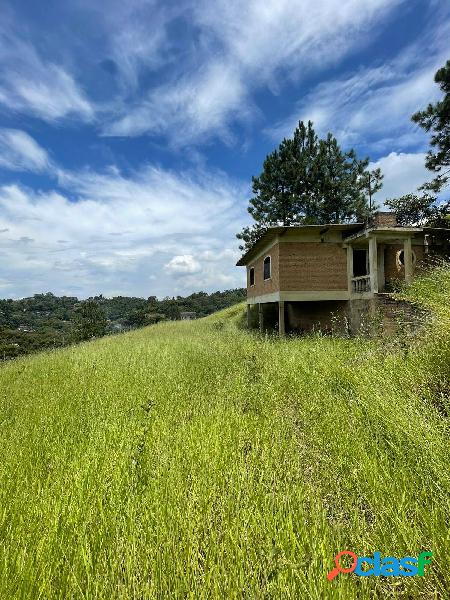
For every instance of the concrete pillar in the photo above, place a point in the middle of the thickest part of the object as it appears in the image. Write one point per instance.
(381, 277)
(281, 326)
(248, 316)
(349, 268)
(261, 318)
(373, 264)
(407, 259)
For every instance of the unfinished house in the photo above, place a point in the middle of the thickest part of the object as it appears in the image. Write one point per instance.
(307, 277)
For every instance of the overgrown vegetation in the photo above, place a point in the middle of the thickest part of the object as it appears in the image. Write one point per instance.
(197, 460)
(47, 321)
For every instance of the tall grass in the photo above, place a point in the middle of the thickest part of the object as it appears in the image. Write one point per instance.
(196, 460)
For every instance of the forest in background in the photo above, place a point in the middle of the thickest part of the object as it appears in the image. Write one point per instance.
(48, 321)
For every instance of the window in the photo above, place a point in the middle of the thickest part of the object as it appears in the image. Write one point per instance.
(401, 258)
(251, 276)
(267, 269)
(359, 263)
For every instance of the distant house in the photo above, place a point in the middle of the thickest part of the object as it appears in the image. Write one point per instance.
(188, 316)
(302, 277)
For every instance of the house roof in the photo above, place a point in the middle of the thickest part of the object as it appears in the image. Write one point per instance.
(353, 230)
(384, 229)
(272, 232)
(399, 230)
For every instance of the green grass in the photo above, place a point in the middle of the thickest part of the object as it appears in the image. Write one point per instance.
(196, 460)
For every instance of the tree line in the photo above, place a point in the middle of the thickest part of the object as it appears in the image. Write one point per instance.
(48, 321)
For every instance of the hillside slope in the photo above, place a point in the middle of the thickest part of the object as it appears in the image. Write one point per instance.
(193, 459)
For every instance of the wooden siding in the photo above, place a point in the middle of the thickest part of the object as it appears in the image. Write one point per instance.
(270, 285)
(312, 266)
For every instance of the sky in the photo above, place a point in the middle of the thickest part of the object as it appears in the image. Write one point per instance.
(129, 131)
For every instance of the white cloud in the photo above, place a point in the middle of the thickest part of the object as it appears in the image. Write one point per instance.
(403, 174)
(130, 39)
(183, 265)
(289, 35)
(136, 36)
(207, 76)
(116, 234)
(32, 85)
(20, 152)
(373, 107)
(219, 254)
(193, 107)
(243, 48)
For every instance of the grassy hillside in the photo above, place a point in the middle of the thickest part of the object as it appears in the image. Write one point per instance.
(196, 460)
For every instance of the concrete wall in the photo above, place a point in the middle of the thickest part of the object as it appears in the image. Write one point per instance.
(377, 316)
(382, 315)
(326, 316)
(359, 314)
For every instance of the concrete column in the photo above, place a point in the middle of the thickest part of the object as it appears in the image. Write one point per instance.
(261, 318)
(281, 326)
(373, 264)
(248, 316)
(381, 278)
(407, 259)
(349, 268)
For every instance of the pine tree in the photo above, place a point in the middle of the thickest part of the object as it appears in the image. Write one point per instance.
(419, 210)
(307, 180)
(371, 183)
(339, 185)
(429, 207)
(436, 118)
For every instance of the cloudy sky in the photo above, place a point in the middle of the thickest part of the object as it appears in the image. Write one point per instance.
(129, 131)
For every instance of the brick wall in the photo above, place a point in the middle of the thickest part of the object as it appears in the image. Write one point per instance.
(312, 266)
(264, 287)
(385, 219)
(392, 271)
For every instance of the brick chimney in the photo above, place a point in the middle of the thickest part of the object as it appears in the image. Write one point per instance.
(385, 219)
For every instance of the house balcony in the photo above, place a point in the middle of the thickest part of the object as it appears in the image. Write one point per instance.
(366, 257)
(360, 285)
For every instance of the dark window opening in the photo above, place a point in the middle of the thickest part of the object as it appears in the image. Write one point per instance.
(252, 276)
(267, 267)
(401, 257)
(359, 263)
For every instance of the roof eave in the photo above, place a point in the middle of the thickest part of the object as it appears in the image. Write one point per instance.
(245, 259)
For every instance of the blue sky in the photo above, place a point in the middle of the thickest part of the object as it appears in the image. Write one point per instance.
(129, 131)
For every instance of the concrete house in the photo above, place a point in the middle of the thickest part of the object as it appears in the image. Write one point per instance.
(307, 276)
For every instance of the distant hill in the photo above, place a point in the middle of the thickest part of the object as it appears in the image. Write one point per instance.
(47, 321)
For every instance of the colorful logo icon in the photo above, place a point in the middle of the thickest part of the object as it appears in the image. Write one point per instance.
(389, 566)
